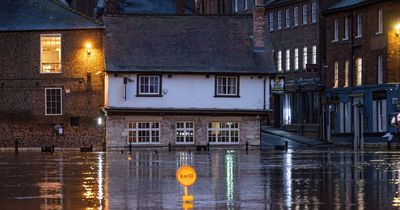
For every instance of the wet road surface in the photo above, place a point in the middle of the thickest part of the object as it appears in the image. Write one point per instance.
(297, 179)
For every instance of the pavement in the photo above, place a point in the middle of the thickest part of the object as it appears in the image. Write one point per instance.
(277, 137)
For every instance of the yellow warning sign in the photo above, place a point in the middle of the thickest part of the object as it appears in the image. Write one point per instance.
(186, 175)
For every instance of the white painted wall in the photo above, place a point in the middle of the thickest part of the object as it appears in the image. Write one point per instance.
(187, 91)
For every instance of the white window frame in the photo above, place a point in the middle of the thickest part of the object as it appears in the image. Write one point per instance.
(346, 73)
(41, 51)
(235, 6)
(335, 30)
(380, 21)
(359, 26)
(246, 6)
(346, 28)
(305, 58)
(137, 129)
(186, 130)
(223, 129)
(279, 61)
(279, 20)
(314, 54)
(45, 102)
(228, 85)
(296, 16)
(336, 76)
(305, 14)
(287, 67)
(345, 117)
(287, 18)
(149, 85)
(379, 115)
(359, 68)
(379, 69)
(314, 12)
(271, 21)
(296, 59)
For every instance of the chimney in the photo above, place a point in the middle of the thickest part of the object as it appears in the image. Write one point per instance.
(112, 7)
(259, 25)
(180, 7)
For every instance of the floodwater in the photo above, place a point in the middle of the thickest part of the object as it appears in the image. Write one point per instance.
(227, 179)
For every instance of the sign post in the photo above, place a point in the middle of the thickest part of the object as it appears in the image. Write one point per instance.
(186, 176)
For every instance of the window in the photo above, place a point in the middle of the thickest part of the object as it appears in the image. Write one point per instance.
(296, 16)
(380, 70)
(359, 25)
(287, 60)
(336, 75)
(223, 132)
(305, 58)
(53, 101)
(314, 12)
(246, 6)
(314, 54)
(227, 86)
(287, 18)
(143, 132)
(296, 59)
(345, 118)
(184, 132)
(271, 21)
(380, 21)
(335, 30)
(279, 60)
(379, 116)
(149, 85)
(304, 14)
(359, 71)
(279, 20)
(346, 73)
(235, 6)
(50, 53)
(346, 28)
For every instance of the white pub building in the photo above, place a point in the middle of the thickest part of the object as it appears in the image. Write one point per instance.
(184, 81)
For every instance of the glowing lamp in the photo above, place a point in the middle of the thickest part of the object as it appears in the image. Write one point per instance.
(88, 47)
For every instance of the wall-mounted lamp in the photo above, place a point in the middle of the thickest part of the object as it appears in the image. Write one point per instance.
(397, 30)
(88, 47)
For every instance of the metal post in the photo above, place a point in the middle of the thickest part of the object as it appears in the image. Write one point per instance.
(169, 146)
(130, 147)
(247, 146)
(286, 145)
(16, 146)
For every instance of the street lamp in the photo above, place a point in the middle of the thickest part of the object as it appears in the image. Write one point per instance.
(88, 47)
(397, 30)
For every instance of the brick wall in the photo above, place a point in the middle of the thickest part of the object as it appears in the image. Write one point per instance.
(22, 89)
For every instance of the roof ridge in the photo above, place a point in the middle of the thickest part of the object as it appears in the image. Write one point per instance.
(91, 19)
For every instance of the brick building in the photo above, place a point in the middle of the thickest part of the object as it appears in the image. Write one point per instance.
(51, 85)
(362, 70)
(293, 29)
(224, 7)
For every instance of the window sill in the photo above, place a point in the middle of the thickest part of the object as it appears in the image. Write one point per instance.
(51, 72)
(51, 115)
(226, 96)
(149, 95)
(379, 33)
(357, 37)
(345, 39)
(334, 41)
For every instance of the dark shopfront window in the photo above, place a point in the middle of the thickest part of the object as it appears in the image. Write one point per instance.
(293, 107)
(311, 107)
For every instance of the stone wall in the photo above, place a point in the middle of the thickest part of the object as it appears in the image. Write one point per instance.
(249, 128)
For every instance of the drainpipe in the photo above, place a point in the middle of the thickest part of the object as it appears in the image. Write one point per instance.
(264, 93)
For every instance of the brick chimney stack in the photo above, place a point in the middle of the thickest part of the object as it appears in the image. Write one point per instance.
(180, 7)
(259, 24)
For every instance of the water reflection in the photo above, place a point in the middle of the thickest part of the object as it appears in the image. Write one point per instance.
(226, 180)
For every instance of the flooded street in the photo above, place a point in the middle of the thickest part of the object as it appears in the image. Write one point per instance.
(301, 179)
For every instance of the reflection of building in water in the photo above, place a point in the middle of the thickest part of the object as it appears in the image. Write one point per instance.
(92, 183)
(51, 187)
(184, 158)
(287, 178)
(230, 180)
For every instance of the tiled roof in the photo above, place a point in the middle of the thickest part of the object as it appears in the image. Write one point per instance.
(22, 15)
(270, 3)
(346, 4)
(148, 7)
(182, 44)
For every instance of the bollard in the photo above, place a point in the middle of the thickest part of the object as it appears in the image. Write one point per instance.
(208, 146)
(247, 146)
(169, 146)
(388, 145)
(286, 145)
(16, 146)
(130, 148)
(52, 148)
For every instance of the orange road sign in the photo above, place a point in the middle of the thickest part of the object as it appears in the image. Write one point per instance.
(186, 175)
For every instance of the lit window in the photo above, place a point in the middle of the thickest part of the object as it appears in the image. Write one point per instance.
(149, 85)
(184, 132)
(296, 59)
(305, 58)
(305, 14)
(336, 75)
(359, 71)
(346, 28)
(271, 21)
(314, 54)
(380, 21)
(279, 60)
(223, 132)
(314, 12)
(359, 25)
(296, 16)
(279, 20)
(50, 53)
(346, 73)
(143, 132)
(287, 18)
(53, 101)
(287, 60)
(380, 70)
(336, 30)
(227, 86)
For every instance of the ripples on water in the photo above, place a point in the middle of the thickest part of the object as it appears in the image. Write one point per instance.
(226, 180)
